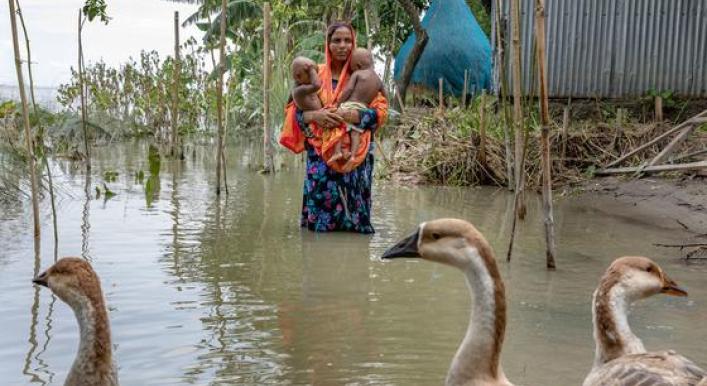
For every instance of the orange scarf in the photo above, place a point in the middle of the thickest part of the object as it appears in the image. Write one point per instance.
(292, 136)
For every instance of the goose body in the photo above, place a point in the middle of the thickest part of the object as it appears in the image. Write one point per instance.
(74, 282)
(620, 357)
(457, 243)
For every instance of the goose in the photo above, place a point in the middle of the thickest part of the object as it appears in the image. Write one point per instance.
(74, 281)
(457, 243)
(620, 357)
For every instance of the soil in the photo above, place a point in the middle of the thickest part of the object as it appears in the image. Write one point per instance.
(673, 203)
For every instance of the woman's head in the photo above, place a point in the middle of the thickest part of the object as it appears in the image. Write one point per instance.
(340, 41)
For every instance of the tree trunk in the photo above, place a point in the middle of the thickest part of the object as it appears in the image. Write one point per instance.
(219, 96)
(417, 49)
(25, 115)
(546, 162)
(267, 145)
(174, 138)
(29, 58)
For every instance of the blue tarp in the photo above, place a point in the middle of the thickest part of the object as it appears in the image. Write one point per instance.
(456, 42)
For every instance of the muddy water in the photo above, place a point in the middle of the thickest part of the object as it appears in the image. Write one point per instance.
(231, 291)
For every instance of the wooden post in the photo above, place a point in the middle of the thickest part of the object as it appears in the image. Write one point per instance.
(546, 162)
(25, 116)
(219, 96)
(82, 86)
(464, 89)
(659, 108)
(267, 148)
(482, 130)
(174, 138)
(566, 116)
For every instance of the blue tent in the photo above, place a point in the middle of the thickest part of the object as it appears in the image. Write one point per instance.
(456, 42)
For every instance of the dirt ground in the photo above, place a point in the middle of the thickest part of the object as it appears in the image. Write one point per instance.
(675, 203)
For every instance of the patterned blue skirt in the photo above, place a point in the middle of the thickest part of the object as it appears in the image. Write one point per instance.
(337, 202)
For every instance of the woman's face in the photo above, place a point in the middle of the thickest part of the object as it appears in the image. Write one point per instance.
(340, 44)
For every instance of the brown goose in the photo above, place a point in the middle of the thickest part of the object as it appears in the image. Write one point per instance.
(73, 280)
(621, 359)
(457, 243)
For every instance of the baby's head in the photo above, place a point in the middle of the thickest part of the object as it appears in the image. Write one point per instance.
(300, 69)
(361, 59)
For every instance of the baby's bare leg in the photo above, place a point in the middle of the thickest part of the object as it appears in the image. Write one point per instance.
(355, 141)
(338, 154)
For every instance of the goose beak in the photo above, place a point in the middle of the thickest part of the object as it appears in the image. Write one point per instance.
(41, 279)
(406, 247)
(672, 288)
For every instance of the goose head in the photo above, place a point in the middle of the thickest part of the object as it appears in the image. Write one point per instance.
(73, 280)
(640, 277)
(448, 241)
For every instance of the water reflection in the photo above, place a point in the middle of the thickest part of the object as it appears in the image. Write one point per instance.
(229, 290)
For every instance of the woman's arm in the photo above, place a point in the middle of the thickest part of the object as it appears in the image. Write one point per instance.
(326, 118)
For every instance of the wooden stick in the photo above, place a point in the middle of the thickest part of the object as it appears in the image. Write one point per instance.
(670, 148)
(29, 57)
(518, 193)
(656, 168)
(687, 245)
(546, 162)
(657, 139)
(25, 121)
(503, 93)
(690, 155)
(566, 116)
(219, 95)
(464, 89)
(174, 139)
(482, 130)
(441, 94)
(82, 85)
(267, 150)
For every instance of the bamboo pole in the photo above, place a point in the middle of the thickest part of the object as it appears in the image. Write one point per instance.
(219, 96)
(659, 108)
(83, 97)
(369, 42)
(25, 116)
(546, 162)
(503, 97)
(29, 57)
(174, 138)
(267, 145)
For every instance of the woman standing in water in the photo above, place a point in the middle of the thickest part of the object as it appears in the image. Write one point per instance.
(334, 200)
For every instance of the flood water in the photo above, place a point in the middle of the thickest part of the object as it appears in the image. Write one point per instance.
(232, 291)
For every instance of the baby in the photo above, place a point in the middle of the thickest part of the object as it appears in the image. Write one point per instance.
(307, 83)
(360, 90)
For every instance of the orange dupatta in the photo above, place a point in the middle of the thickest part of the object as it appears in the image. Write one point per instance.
(292, 136)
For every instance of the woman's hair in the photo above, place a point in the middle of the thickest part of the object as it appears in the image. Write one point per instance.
(336, 25)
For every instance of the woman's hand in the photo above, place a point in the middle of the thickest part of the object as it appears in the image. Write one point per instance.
(324, 118)
(349, 115)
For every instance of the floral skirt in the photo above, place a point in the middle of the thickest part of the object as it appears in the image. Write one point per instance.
(337, 202)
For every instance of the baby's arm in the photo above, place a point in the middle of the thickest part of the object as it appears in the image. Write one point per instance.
(348, 90)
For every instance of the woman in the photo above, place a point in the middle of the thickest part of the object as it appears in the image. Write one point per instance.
(334, 201)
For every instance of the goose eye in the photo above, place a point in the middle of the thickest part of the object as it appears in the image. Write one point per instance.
(649, 269)
(436, 236)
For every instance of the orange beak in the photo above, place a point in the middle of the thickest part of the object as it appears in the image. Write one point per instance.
(671, 288)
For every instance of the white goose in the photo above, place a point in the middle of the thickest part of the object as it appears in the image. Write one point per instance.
(73, 280)
(621, 359)
(457, 243)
